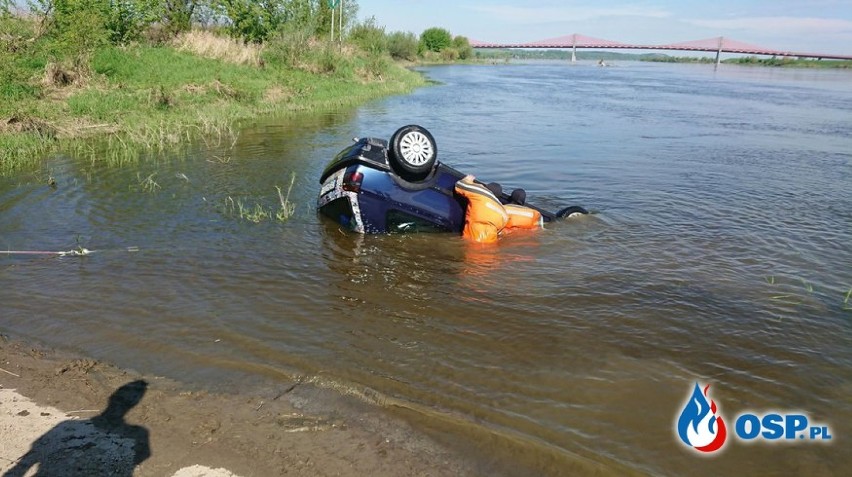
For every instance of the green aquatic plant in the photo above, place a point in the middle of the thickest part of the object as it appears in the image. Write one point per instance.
(241, 210)
(148, 184)
(258, 213)
(254, 214)
(287, 208)
(770, 279)
(846, 305)
(786, 299)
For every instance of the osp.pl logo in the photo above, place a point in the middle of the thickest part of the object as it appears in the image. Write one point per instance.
(698, 425)
(701, 427)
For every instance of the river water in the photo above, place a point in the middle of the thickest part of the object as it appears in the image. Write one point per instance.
(719, 252)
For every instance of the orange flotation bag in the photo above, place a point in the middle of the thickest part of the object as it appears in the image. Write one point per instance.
(485, 216)
(521, 217)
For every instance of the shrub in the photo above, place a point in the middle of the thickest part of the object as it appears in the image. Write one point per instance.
(254, 21)
(449, 54)
(462, 45)
(403, 45)
(435, 39)
(377, 64)
(333, 62)
(290, 45)
(370, 37)
(126, 21)
(77, 27)
(20, 60)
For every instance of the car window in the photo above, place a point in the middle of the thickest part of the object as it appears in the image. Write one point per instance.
(400, 222)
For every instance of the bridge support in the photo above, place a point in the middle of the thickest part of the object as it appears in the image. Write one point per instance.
(718, 54)
(574, 48)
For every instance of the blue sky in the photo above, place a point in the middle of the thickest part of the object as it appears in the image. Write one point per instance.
(820, 26)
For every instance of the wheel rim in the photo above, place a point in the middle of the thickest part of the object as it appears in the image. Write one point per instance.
(416, 148)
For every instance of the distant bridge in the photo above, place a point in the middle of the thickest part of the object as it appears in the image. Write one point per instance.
(714, 45)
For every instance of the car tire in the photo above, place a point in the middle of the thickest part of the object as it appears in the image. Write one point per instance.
(413, 152)
(572, 211)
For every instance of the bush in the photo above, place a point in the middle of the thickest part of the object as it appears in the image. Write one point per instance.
(435, 39)
(77, 27)
(377, 64)
(334, 63)
(93, 22)
(126, 21)
(370, 37)
(403, 45)
(177, 16)
(462, 45)
(290, 45)
(449, 54)
(254, 21)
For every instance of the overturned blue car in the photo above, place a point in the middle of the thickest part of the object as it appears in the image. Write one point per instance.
(379, 186)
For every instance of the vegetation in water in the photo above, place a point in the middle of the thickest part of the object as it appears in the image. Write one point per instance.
(258, 212)
(147, 184)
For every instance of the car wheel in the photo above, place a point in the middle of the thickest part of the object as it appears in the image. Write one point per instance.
(572, 211)
(413, 151)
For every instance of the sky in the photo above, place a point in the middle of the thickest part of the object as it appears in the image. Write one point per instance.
(804, 26)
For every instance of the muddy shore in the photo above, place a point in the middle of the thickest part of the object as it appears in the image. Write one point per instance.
(77, 416)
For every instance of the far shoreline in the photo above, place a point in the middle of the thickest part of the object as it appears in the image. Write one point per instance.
(611, 56)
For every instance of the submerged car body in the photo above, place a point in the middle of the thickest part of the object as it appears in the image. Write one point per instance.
(361, 191)
(374, 186)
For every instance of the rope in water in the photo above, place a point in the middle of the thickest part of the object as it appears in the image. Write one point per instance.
(77, 252)
(69, 253)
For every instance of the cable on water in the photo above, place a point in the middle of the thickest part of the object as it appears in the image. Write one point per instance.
(77, 252)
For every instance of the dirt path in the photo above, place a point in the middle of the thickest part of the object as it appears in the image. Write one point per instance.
(72, 416)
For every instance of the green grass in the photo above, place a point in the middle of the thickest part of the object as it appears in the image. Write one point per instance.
(258, 212)
(148, 184)
(140, 100)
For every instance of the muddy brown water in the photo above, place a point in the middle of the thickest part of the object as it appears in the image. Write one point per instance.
(719, 252)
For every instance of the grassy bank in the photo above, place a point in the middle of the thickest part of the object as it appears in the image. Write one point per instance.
(125, 101)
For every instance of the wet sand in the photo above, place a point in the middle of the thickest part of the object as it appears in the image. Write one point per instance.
(75, 416)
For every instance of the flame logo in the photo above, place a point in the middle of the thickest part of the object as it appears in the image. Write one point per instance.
(698, 425)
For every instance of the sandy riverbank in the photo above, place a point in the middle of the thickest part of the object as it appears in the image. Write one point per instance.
(73, 416)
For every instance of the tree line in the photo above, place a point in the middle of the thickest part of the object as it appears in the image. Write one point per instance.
(77, 25)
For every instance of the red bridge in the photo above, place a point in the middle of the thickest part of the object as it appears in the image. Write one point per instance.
(718, 45)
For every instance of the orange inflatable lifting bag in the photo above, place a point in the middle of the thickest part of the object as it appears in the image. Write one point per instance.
(485, 216)
(521, 217)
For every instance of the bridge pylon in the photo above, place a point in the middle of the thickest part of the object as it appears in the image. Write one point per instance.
(574, 48)
(719, 53)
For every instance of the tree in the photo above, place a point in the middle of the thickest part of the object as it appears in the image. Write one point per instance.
(462, 45)
(435, 39)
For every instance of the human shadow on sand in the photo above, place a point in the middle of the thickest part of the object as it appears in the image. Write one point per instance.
(103, 445)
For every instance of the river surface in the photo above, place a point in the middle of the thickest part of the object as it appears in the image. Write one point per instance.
(719, 252)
